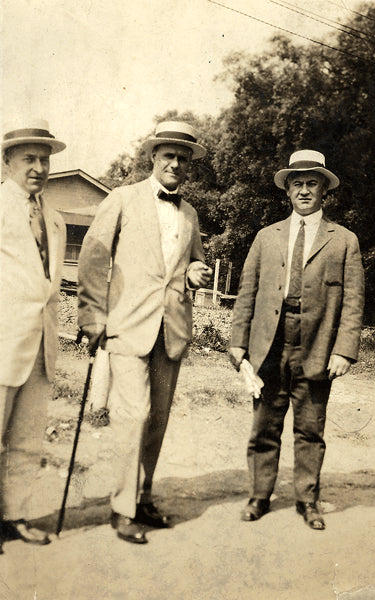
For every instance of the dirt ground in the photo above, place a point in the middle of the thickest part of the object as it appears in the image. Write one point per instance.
(202, 481)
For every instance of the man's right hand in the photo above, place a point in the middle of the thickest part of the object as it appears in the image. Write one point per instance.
(93, 331)
(236, 355)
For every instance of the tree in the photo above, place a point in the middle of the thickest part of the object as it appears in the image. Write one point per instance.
(287, 98)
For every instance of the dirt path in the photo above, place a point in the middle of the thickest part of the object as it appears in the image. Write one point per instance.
(202, 480)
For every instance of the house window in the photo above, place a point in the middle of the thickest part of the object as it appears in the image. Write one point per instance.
(74, 239)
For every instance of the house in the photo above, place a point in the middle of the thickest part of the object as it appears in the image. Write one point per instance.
(76, 195)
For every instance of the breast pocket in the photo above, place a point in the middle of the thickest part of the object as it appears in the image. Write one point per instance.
(334, 273)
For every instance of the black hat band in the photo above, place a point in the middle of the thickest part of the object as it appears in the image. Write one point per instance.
(20, 133)
(176, 135)
(305, 164)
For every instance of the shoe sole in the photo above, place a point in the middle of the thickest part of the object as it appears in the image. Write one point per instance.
(131, 539)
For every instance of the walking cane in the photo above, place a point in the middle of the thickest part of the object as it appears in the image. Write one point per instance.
(78, 429)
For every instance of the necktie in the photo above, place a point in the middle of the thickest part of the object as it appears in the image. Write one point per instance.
(296, 268)
(175, 198)
(38, 228)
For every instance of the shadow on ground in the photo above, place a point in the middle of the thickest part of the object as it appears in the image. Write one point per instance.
(186, 499)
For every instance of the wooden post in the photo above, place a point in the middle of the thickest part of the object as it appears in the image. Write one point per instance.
(216, 281)
(229, 277)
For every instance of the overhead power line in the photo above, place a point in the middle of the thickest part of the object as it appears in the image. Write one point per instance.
(325, 20)
(359, 58)
(355, 12)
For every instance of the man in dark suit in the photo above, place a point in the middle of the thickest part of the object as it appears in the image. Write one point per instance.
(297, 317)
(153, 236)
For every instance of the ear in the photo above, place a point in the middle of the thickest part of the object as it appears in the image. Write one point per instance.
(152, 157)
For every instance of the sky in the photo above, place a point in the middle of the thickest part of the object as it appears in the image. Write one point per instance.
(100, 70)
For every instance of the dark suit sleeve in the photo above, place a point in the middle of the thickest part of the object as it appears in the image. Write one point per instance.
(94, 262)
(349, 329)
(244, 306)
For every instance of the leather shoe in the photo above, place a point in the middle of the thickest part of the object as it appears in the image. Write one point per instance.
(256, 508)
(148, 514)
(128, 529)
(22, 530)
(310, 513)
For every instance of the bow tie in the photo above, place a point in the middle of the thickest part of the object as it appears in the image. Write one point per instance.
(175, 198)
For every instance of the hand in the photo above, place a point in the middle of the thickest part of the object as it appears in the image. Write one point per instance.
(93, 332)
(236, 355)
(338, 365)
(199, 274)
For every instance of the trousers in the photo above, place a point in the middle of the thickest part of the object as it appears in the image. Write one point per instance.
(23, 419)
(285, 383)
(140, 399)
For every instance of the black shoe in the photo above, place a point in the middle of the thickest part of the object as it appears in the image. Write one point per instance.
(22, 530)
(256, 508)
(311, 514)
(128, 529)
(148, 514)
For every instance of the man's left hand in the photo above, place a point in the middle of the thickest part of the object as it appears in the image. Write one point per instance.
(337, 366)
(199, 274)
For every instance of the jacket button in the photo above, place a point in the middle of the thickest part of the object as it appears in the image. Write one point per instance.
(279, 287)
(283, 264)
(276, 312)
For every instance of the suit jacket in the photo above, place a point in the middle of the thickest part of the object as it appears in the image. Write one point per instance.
(331, 302)
(141, 291)
(28, 301)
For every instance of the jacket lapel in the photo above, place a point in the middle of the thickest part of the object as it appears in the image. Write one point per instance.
(323, 236)
(145, 211)
(52, 239)
(282, 235)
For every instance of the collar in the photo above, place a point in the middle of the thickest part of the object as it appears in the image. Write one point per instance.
(156, 186)
(312, 219)
(19, 192)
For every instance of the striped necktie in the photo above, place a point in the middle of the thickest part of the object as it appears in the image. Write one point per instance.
(296, 268)
(38, 228)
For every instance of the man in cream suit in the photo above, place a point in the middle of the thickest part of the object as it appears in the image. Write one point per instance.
(153, 237)
(32, 244)
(297, 318)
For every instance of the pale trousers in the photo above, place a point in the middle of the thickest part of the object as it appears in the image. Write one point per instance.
(23, 419)
(140, 399)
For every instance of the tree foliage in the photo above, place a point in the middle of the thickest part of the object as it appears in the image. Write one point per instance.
(287, 98)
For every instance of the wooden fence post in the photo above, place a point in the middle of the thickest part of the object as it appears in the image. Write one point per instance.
(216, 281)
(229, 277)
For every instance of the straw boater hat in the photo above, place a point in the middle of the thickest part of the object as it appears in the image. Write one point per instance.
(36, 131)
(175, 132)
(306, 160)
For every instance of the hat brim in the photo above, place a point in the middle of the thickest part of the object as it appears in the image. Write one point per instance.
(198, 150)
(280, 176)
(55, 145)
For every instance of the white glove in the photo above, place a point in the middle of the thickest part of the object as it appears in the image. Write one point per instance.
(253, 382)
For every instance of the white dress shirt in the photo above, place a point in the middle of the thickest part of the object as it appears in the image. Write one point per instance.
(168, 221)
(311, 227)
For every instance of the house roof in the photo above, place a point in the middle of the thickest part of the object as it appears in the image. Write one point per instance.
(82, 174)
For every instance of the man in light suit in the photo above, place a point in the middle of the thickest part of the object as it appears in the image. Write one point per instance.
(153, 238)
(32, 237)
(297, 318)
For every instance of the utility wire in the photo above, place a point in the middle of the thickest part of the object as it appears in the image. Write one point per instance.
(362, 59)
(350, 10)
(325, 20)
